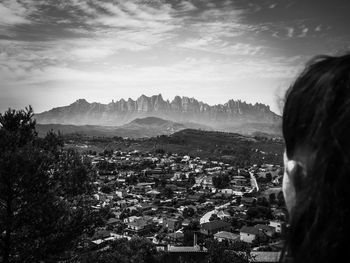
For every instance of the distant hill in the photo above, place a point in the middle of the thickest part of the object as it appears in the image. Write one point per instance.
(233, 116)
(229, 147)
(149, 121)
(138, 128)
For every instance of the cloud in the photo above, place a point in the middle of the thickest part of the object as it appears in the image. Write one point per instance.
(187, 6)
(13, 13)
(90, 45)
(92, 53)
(221, 30)
(290, 32)
(303, 32)
(214, 45)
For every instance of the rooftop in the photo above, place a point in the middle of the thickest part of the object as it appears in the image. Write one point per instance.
(249, 230)
(226, 235)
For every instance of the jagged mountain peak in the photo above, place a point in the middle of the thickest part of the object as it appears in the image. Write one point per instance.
(180, 110)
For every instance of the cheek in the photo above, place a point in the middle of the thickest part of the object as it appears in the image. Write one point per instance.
(288, 192)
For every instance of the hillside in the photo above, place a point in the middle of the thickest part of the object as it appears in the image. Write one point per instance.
(138, 128)
(229, 147)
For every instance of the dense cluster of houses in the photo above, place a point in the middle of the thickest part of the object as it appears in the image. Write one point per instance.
(178, 201)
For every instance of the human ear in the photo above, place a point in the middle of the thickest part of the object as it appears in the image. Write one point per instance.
(296, 172)
(291, 167)
(292, 182)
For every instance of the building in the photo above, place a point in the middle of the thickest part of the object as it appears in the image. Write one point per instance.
(267, 230)
(138, 227)
(278, 225)
(265, 256)
(226, 236)
(249, 234)
(211, 228)
(172, 224)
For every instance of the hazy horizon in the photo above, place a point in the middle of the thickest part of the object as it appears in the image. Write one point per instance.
(53, 53)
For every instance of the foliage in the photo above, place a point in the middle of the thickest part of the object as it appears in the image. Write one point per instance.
(107, 189)
(262, 201)
(225, 252)
(214, 217)
(280, 199)
(168, 192)
(188, 212)
(44, 203)
(272, 198)
(259, 212)
(138, 250)
(221, 181)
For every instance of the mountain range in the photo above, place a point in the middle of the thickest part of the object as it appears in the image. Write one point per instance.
(233, 116)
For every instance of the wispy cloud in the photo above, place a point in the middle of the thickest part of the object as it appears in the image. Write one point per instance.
(13, 12)
(154, 44)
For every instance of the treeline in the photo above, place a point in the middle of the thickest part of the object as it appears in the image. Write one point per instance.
(45, 193)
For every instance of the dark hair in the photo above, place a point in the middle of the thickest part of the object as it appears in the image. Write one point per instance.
(316, 120)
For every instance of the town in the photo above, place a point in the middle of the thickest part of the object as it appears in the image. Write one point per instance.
(180, 202)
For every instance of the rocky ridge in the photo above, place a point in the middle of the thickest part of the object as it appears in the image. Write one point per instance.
(226, 117)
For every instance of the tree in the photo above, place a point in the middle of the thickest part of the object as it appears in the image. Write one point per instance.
(107, 189)
(188, 212)
(168, 192)
(259, 212)
(224, 252)
(221, 181)
(262, 201)
(214, 217)
(268, 177)
(43, 195)
(128, 251)
(189, 231)
(280, 199)
(272, 198)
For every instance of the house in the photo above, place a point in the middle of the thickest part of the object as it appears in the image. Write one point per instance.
(145, 207)
(211, 228)
(185, 223)
(278, 225)
(131, 219)
(247, 201)
(265, 256)
(207, 182)
(267, 230)
(101, 234)
(121, 193)
(204, 181)
(143, 187)
(153, 193)
(228, 236)
(223, 214)
(194, 197)
(113, 221)
(227, 191)
(139, 226)
(249, 234)
(172, 224)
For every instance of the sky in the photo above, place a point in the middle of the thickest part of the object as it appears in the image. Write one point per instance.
(55, 52)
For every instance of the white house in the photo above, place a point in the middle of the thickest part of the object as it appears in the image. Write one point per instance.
(249, 234)
(278, 225)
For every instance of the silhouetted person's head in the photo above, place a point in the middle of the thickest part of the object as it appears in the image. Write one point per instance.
(316, 185)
